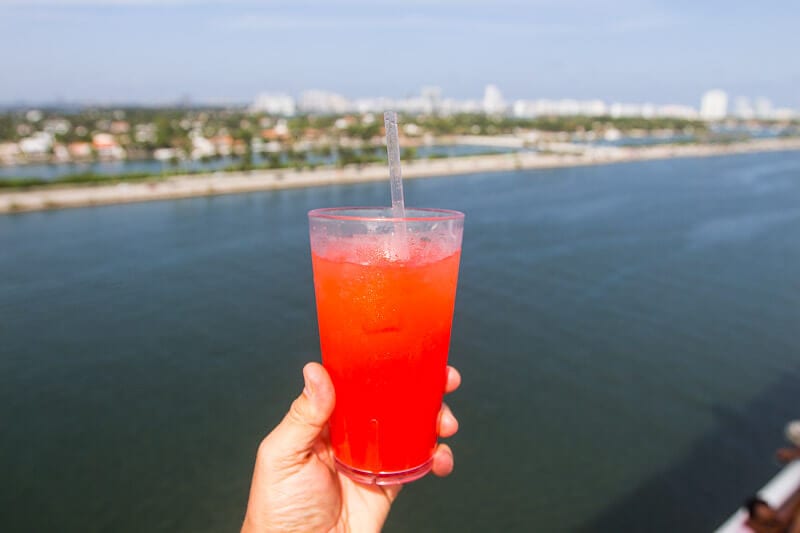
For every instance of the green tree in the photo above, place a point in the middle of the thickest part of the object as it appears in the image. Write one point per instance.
(274, 160)
(248, 158)
(409, 153)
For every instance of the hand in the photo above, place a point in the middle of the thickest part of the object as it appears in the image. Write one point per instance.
(786, 455)
(295, 484)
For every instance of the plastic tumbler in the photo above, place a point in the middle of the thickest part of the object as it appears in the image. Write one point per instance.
(385, 290)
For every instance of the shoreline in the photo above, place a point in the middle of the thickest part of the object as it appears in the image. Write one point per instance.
(189, 186)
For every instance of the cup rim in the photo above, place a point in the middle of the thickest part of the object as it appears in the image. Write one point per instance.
(329, 213)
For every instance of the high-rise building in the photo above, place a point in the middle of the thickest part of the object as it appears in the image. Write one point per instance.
(432, 98)
(763, 108)
(315, 101)
(493, 103)
(714, 105)
(743, 109)
(274, 104)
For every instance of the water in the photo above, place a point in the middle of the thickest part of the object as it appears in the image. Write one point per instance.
(627, 336)
(718, 134)
(50, 172)
(645, 141)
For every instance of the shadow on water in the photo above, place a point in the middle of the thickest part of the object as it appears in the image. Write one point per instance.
(720, 470)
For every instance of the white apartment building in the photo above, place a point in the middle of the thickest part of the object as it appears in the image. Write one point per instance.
(714, 105)
(316, 101)
(493, 103)
(274, 104)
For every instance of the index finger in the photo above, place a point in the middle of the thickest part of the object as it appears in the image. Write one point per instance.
(453, 380)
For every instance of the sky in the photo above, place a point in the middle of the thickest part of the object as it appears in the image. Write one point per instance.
(161, 51)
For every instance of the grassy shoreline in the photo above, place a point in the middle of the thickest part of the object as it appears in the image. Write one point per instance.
(104, 191)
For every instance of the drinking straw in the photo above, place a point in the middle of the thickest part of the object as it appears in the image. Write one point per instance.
(393, 150)
(399, 239)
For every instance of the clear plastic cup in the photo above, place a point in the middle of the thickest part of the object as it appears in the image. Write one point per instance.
(385, 290)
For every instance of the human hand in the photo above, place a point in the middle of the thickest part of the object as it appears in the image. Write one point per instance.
(786, 455)
(296, 486)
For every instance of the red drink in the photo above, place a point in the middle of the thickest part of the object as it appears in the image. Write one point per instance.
(384, 323)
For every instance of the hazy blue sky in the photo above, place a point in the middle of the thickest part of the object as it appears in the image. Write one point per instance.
(159, 50)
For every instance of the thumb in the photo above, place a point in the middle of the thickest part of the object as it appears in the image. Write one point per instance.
(303, 424)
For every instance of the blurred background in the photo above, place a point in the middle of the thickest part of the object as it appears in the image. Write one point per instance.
(628, 305)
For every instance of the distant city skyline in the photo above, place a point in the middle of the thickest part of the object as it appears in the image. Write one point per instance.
(713, 105)
(149, 52)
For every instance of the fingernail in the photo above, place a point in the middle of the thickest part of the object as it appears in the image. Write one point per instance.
(308, 390)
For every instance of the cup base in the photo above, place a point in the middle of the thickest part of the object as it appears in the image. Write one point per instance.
(385, 478)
